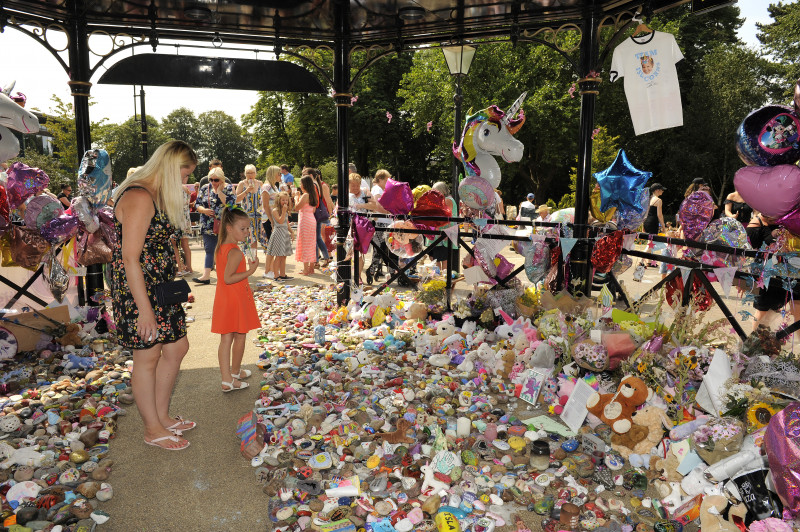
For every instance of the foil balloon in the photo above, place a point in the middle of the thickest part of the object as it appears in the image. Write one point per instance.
(725, 232)
(537, 261)
(782, 443)
(56, 276)
(622, 265)
(83, 208)
(5, 212)
(418, 191)
(61, 228)
(502, 266)
(773, 191)
(791, 221)
(564, 217)
(27, 247)
(607, 251)
(485, 261)
(431, 203)
(24, 182)
(41, 209)
(476, 193)
(695, 213)
(362, 236)
(487, 134)
(796, 100)
(769, 137)
(14, 116)
(631, 219)
(9, 144)
(397, 197)
(594, 207)
(404, 245)
(620, 184)
(94, 177)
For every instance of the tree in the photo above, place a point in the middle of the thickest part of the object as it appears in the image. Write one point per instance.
(268, 119)
(182, 124)
(781, 40)
(604, 151)
(226, 140)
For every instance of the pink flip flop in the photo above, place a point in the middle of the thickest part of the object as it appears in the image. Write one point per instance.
(181, 421)
(175, 439)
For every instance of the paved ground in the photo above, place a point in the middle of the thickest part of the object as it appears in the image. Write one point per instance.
(210, 487)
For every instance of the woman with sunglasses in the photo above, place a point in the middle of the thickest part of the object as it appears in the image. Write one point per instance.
(210, 201)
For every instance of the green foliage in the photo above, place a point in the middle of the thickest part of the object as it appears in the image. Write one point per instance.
(124, 144)
(604, 151)
(52, 167)
(222, 137)
(781, 40)
(182, 124)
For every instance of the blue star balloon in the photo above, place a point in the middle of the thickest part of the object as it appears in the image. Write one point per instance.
(621, 184)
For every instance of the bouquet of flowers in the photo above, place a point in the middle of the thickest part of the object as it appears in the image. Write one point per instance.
(432, 293)
(718, 439)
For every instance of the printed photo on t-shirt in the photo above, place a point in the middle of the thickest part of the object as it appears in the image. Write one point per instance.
(648, 68)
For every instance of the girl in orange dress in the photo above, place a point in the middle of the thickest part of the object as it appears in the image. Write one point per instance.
(234, 311)
(306, 251)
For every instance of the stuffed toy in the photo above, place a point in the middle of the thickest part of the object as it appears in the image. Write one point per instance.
(645, 433)
(615, 410)
(548, 394)
(695, 482)
(72, 336)
(487, 356)
(711, 519)
(505, 363)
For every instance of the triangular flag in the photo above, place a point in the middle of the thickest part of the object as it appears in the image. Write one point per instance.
(480, 222)
(725, 277)
(765, 278)
(606, 297)
(452, 234)
(628, 240)
(685, 273)
(566, 246)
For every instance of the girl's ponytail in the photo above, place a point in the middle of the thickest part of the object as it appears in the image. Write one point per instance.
(230, 213)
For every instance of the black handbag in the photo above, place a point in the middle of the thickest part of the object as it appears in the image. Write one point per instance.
(172, 293)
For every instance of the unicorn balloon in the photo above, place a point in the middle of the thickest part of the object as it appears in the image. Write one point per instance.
(488, 134)
(13, 116)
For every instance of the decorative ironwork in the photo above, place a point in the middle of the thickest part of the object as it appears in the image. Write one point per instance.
(552, 38)
(41, 32)
(309, 55)
(371, 55)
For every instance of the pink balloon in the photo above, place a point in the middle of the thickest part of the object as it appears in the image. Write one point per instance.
(24, 182)
(791, 221)
(772, 190)
(504, 267)
(397, 197)
(363, 232)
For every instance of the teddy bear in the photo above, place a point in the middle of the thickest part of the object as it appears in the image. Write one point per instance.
(645, 433)
(505, 363)
(711, 519)
(72, 336)
(487, 356)
(615, 410)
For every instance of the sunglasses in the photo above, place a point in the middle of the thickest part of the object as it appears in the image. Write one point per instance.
(215, 180)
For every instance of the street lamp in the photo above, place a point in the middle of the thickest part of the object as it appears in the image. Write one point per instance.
(459, 59)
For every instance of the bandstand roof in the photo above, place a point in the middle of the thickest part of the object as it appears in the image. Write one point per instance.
(398, 23)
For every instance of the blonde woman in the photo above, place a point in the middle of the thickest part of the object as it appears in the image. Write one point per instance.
(212, 197)
(269, 190)
(248, 195)
(148, 209)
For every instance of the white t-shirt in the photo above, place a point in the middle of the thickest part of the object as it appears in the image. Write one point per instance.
(376, 193)
(647, 63)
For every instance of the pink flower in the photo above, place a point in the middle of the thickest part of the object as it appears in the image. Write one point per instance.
(353, 100)
(571, 91)
(429, 125)
(389, 116)
(595, 133)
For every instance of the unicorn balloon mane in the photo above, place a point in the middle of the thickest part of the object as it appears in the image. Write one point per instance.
(13, 116)
(487, 134)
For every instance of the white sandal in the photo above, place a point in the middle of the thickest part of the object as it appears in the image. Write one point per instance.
(243, 374)
(229, 387)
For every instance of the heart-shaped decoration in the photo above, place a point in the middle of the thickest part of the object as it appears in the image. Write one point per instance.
(432, 203)
(397, 197)
(772, 190)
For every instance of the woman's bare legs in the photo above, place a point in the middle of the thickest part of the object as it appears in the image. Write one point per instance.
(166, 373)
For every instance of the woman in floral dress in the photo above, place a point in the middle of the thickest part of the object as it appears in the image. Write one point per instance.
(212, 197)
(148, 211)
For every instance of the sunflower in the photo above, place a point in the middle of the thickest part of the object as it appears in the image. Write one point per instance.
(641, 366)
(669, 398)
(759, 415)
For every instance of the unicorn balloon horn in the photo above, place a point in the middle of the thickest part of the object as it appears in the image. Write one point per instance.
(8, 88)
(509, 121)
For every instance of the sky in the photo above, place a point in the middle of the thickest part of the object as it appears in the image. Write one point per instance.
(38, 75)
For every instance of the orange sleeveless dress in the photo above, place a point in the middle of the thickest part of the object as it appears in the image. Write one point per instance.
(234, 306)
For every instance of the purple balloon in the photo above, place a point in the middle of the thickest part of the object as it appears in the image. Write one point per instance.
(364, 229)
(695, 213)
(61, 228)
(771, 190)
(397, 197)
(504, 268)
(24, 182)
(791, 221)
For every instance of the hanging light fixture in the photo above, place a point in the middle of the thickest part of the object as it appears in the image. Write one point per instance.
(459, 58)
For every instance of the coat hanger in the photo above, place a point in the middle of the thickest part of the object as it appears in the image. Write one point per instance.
(642, 27)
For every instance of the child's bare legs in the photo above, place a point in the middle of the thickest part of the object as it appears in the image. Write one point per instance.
(187, 253)
(280, 266)
(237, 353)
(224, 356)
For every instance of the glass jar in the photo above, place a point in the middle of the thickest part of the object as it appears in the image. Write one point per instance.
(540, 455)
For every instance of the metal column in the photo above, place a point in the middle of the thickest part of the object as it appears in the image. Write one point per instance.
(580, 267)
(341, 82)
(80, 87)
(144, 127)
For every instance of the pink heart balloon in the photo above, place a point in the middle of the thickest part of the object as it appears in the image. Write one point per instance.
(772, 190)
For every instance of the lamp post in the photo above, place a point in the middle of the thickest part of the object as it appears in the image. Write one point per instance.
(459, 59)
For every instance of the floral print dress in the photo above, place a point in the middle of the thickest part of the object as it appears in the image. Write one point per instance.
(158, 266)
